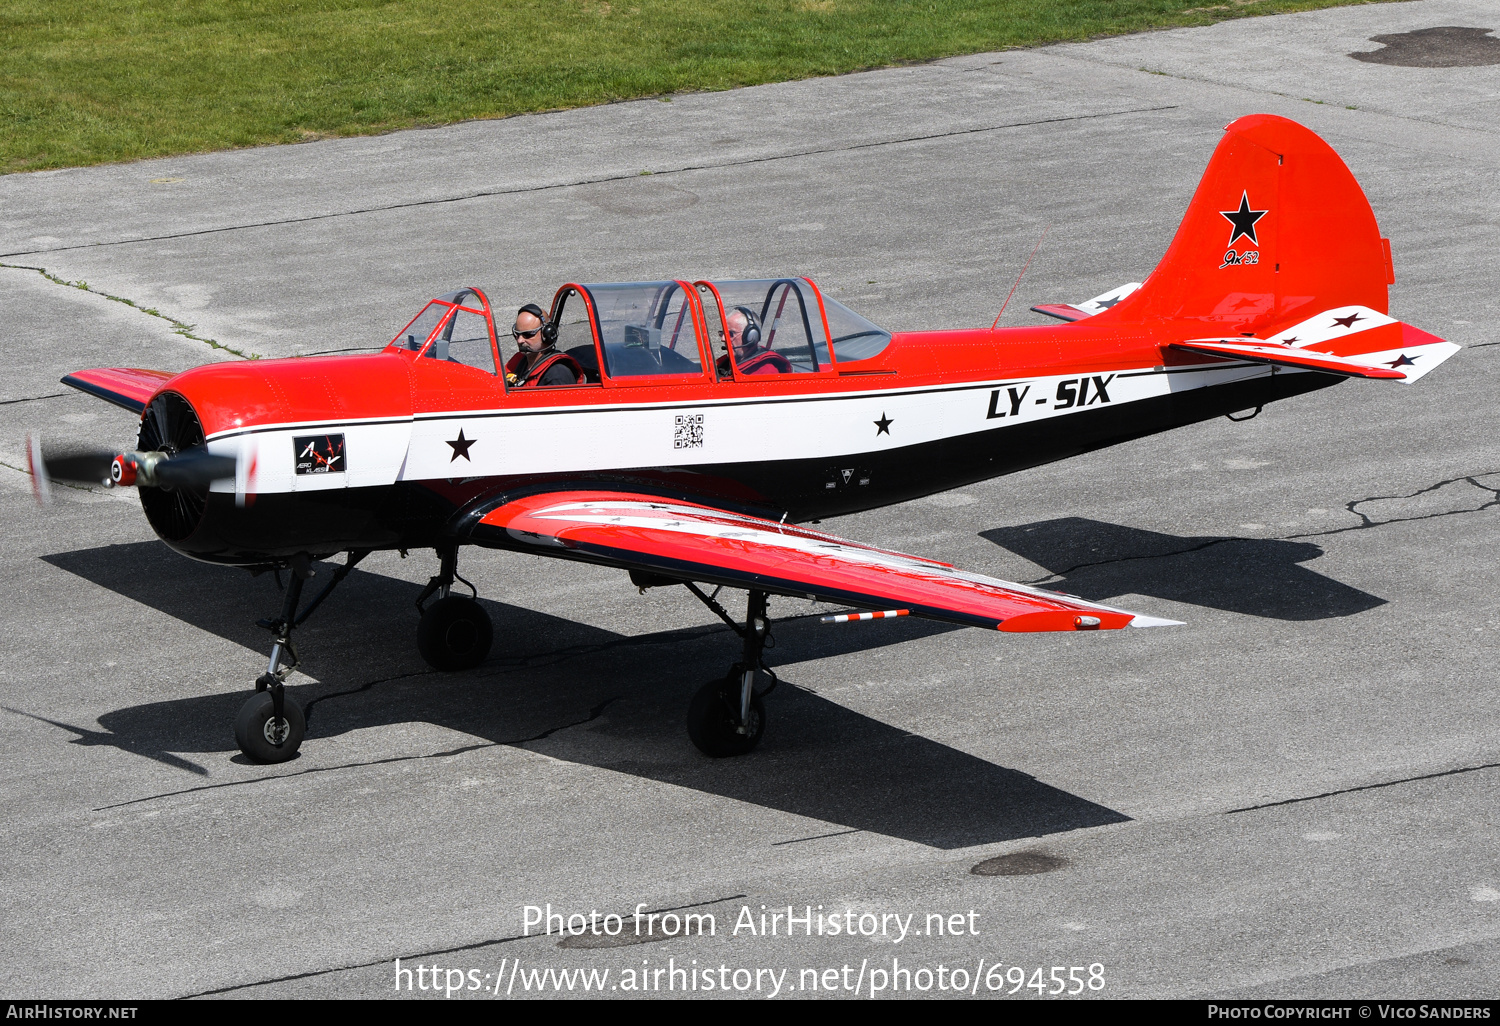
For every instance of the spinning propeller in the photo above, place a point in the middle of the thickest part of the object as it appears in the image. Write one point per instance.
(193, 469)
(171, 464)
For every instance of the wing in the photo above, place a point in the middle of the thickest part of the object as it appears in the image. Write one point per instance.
(1355, 341)
(124, 386)
(1078, 311)
(689, 542)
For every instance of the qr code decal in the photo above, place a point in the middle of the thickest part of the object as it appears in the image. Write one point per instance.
(687, 431)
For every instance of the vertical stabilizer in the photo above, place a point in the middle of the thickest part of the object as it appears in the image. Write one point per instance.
(1277, 231)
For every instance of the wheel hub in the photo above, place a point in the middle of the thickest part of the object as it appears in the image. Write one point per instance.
(461, 637)
(276, 731)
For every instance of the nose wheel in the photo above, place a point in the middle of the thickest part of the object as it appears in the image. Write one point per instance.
(266, 735)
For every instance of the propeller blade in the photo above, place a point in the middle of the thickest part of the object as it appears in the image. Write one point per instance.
(85, 466)
(196, 467)
(244, 473)
(41, 483)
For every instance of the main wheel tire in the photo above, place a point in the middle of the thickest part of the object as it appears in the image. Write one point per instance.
(454, 634)
(712, 716)
(263, 741)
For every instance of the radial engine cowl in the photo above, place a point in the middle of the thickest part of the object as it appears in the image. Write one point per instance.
(169, 425)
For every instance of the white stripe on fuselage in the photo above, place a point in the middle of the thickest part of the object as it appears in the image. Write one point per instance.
(733, 429)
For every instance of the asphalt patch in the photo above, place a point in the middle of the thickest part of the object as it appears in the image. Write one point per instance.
(1446, 46)
(1019, 863)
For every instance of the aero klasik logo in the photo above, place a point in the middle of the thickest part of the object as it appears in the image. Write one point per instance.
(319, 454)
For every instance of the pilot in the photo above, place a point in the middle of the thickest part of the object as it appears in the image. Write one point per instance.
(537, 361)
(742, 332)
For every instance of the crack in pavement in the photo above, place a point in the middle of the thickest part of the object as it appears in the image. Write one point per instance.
(1366, 787)
(1366, 523)
(178, 327)
(430, 954)
(816, 837)
(1251, 87)
(448, 753)
(308, 708)
(623, 176)
(36, 398)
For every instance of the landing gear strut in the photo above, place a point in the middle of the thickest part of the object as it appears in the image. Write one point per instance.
(727, 717)
(455, 632)
(270, 726)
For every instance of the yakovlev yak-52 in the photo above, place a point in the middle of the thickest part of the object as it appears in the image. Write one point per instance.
(682, 430)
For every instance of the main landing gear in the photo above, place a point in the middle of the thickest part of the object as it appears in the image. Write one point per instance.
(455, 632)
(727, 717)
(270, 725)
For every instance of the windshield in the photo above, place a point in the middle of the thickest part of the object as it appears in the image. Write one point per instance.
(455, 328)
(414, 334)
(854, 338)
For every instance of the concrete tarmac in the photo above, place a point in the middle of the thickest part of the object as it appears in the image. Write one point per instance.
(1292, 795)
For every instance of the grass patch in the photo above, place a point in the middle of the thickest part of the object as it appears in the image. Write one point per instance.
(124, 79)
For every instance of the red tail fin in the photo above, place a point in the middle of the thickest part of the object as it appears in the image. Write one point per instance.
(1278, 230)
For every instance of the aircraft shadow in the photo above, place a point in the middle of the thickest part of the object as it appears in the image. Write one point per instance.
(1254, 576)
(582, 694)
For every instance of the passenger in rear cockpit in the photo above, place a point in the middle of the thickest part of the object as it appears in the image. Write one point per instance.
(742, 333)
(537, 361)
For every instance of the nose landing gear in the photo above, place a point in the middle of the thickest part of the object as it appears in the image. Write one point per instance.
(270, 726)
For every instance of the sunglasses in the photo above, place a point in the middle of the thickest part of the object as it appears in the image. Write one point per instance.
(517, 333)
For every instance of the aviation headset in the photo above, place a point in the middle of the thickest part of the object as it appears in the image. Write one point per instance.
(549, 329)
(750, 336)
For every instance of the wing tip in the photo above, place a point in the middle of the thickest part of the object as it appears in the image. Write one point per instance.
(1140, 620)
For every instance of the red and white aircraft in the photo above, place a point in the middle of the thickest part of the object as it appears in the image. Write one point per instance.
(671, 460)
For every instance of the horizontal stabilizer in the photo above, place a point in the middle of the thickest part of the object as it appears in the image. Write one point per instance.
(1078, 311)
(1281, 356)
(1355, 341)
(129, 387)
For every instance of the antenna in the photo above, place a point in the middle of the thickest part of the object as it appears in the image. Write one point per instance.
(1019, 277)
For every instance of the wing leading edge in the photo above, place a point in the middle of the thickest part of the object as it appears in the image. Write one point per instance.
(698, 543)
(129, 387)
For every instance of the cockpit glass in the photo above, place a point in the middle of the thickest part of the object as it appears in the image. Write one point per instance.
(647, 329)
(464, 338)
(783, 313)
(854, 338)
(414, 334)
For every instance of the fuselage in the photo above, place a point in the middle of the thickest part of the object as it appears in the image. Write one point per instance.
(423, 443)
